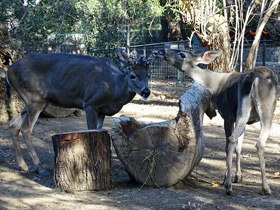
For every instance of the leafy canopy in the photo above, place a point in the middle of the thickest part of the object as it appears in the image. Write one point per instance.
(103, 23)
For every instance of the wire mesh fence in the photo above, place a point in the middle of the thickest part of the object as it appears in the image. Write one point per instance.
(159, 68)
(268, 54)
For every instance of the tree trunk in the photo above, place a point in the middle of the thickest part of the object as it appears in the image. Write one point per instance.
(161, 154)
(164, 29)
(273, 29)
(210, 28)
(9, 52)
(83, 160)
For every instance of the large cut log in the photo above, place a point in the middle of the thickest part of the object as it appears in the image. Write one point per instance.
(83, 160)
(161, 154)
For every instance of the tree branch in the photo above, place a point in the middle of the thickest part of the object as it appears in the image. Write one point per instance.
(270, 10)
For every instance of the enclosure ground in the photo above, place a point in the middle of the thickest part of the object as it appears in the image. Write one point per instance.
(202, 190)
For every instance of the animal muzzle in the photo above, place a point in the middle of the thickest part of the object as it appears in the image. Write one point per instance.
(145, 93)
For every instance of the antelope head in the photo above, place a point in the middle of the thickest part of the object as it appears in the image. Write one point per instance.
(137, 68)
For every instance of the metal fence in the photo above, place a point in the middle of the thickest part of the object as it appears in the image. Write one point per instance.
(159, 68)
(268, 55)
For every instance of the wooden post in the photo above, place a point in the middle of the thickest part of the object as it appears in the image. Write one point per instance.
(83, 160)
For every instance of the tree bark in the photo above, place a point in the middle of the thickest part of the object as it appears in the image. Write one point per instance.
(161, 154)
(83, 160)
(273, 29)
(9, 53)
(210, 28)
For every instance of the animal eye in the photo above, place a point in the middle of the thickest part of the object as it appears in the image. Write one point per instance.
(132, 76)
(182, 55)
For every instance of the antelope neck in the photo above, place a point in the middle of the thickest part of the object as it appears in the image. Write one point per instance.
(209, 79)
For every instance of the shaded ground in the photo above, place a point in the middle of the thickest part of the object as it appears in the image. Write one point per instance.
(202, 190)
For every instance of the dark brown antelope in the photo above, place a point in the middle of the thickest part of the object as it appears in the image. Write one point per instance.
(241, 98)
(92, 84)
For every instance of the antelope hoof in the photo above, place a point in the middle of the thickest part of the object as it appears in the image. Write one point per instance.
(228, 189)
(40, 170)
(238, 179)
(267, 190)
(23, 168)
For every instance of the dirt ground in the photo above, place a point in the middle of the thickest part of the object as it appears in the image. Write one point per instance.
(202, 190)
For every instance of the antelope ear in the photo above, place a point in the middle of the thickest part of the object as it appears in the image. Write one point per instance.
(151, 57)
(133, 55)
(122, 56)
(207, 57)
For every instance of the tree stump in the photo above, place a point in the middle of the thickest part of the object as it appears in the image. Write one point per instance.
(83, 160)
(161, 154)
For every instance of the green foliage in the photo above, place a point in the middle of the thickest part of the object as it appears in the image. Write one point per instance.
(103, 23)
(9, 111)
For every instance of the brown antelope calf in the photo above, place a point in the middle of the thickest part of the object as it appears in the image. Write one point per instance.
(241, 98)
(93, 84)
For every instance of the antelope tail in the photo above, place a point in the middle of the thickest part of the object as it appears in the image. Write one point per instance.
(8, 88)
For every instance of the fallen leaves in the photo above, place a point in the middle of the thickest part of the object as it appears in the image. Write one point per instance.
(276, 175)
(214, 184)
